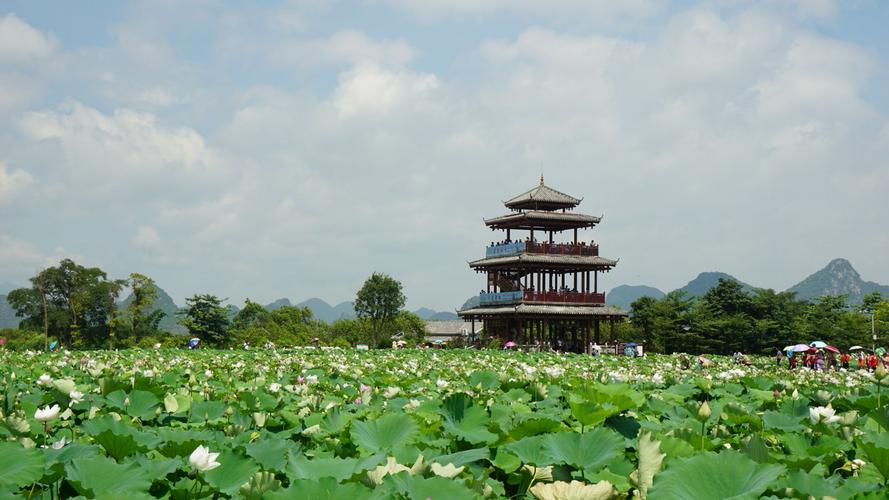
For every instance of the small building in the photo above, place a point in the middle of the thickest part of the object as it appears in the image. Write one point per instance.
(445, 331)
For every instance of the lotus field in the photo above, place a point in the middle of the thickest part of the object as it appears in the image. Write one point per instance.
(449, 424)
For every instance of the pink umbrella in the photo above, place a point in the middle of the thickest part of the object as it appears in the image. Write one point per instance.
(509, 344)
(831, 349)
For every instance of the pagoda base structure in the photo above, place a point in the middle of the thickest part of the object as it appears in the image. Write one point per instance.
(548, 327)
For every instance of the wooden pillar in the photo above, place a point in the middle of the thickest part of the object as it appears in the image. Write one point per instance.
(507, 235)
(550, 236)
(612, 328)
(596, 329)
(595, 281)
(575, 235)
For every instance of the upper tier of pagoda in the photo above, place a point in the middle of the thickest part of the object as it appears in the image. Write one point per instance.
(543, 198)
(543, 208)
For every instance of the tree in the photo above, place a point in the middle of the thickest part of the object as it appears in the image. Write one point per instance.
(411, 326)
(143, 319)
(379, 300)
(206, 318)
(70, 301)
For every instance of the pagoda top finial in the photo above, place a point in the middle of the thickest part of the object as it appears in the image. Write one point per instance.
(541, 178)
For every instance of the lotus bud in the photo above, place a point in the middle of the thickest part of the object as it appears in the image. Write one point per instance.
(795, 395)
(880, 371)
(776, 394)
(704, 411)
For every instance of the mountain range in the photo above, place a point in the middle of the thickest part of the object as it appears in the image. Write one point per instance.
(838, 277)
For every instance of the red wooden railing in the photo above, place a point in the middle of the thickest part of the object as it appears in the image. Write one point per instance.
(561, 248)
(575, 297)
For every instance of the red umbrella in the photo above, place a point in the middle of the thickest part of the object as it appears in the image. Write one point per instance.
(831, 349)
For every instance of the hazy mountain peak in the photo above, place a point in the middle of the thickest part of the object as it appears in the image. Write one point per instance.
(838, 277)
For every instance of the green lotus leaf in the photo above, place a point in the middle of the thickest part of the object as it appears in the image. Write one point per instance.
(271, 453)
(781, 421)
(142, 404)
(811, 484)
(472, 426)
(259, 485)
(203, 411)
(384, 433)
(530, 450)
(19, 466)
(101, 477)
(590, 451)
(484, 379)
(299, 467)
(420, 488)
(308, 489)
(234, 471)
(876, 448)
(727, 475)
(463, 457)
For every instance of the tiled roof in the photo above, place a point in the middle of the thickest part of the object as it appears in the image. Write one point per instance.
(542, 196)
(539, 218)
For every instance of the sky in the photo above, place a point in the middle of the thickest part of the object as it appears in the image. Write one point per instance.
(292, 148)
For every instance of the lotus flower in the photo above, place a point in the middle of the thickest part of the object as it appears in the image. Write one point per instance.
(44, 379)
(75, 396)
(202, 460)
(47, 414)
(824, 414)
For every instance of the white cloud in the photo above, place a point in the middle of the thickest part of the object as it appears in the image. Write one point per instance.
(101, 153)
(21, 43)
(348, 46)
(604, 10)
(12, 182)
(146, 237)
(370, 90)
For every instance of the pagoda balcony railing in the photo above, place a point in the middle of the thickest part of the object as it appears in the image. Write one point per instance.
(517, 247)
(561, 248)
(549, 297)
(567, 297)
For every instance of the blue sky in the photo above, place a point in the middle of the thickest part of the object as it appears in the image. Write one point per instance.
(289, 149)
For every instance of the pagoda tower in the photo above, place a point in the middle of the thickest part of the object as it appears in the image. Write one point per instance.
(541, 291)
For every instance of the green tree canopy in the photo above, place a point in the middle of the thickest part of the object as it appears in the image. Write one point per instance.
(206, 318)
(379, 300)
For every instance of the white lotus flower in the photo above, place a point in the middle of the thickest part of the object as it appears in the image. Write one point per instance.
(58, 445)
(47, 414)
(274, 387)
(824, 414)
(391, 392)
(44, 379)
(75, 396)
(441, 384)
(202, 460)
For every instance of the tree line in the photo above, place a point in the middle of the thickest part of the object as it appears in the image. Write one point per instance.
(728, 319)
(79, 307)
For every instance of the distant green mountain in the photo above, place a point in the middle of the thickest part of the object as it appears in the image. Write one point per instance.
(443, 316)
(278, 304)
(624, 295)
(471, 302)
(8, 319)
(837, 278)
(325, 312)
(699, 286)
(164, 303)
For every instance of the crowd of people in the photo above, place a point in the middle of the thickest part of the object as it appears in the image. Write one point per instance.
(819, 360)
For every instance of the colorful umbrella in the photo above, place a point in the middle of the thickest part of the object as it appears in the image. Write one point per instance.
(818, 344)
(799, 348)
(857, 348)
(831, 349)
(509, 344)
(880, 351)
